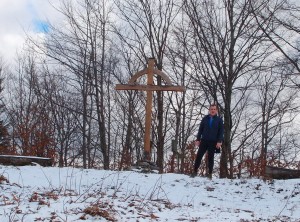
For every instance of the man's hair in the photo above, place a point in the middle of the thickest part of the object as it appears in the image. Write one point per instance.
(213, 104)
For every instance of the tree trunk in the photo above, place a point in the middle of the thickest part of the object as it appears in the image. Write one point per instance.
(160, 134)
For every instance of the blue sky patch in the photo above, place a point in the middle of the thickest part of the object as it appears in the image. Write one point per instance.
(40, 26)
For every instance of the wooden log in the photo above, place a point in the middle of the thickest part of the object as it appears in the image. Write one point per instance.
(281, 173)
(24, 160)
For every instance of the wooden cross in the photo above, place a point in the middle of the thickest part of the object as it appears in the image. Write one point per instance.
(149, 88)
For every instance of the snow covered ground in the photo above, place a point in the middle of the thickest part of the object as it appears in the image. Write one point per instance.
(34, 193)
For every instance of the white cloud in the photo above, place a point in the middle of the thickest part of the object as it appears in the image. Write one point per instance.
(9, 44)
(18, 17)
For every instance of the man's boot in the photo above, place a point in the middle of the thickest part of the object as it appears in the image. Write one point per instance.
(194, 174)
(209, 176)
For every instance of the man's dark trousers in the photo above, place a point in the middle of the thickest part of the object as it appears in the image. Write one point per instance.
(210, 147)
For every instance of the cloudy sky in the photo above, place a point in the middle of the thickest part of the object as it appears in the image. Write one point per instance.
(18, 17)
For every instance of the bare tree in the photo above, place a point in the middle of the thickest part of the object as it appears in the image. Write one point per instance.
(279, 21)
(32, 131)
(5, 146)
(149, 23)
(132, 105)
(278, 108)
(82, 47)
(183, 107)
(64, 119)
(227, 50)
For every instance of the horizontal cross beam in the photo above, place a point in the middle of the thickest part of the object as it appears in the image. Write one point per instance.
(150, 87)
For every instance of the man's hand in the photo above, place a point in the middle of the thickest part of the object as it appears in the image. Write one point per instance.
(218, 146)
(197, 143)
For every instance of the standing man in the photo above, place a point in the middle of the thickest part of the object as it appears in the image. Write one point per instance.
(209, 138)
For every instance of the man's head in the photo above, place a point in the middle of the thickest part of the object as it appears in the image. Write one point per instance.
(213, 110)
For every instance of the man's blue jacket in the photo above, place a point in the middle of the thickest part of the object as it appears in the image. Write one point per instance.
(211, 130)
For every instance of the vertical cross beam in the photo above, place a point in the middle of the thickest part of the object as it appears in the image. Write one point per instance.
(149, 88)
(147, 142)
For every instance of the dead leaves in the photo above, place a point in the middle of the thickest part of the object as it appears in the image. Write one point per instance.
(97, 211)
(3, 179)
(151, 216)
(43, 198)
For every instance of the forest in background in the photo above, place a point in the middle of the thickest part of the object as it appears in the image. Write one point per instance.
(59, 98)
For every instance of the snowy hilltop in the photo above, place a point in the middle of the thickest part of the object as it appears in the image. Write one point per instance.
(34, 193)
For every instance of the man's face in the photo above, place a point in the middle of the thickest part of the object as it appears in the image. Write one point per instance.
(213, 110)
